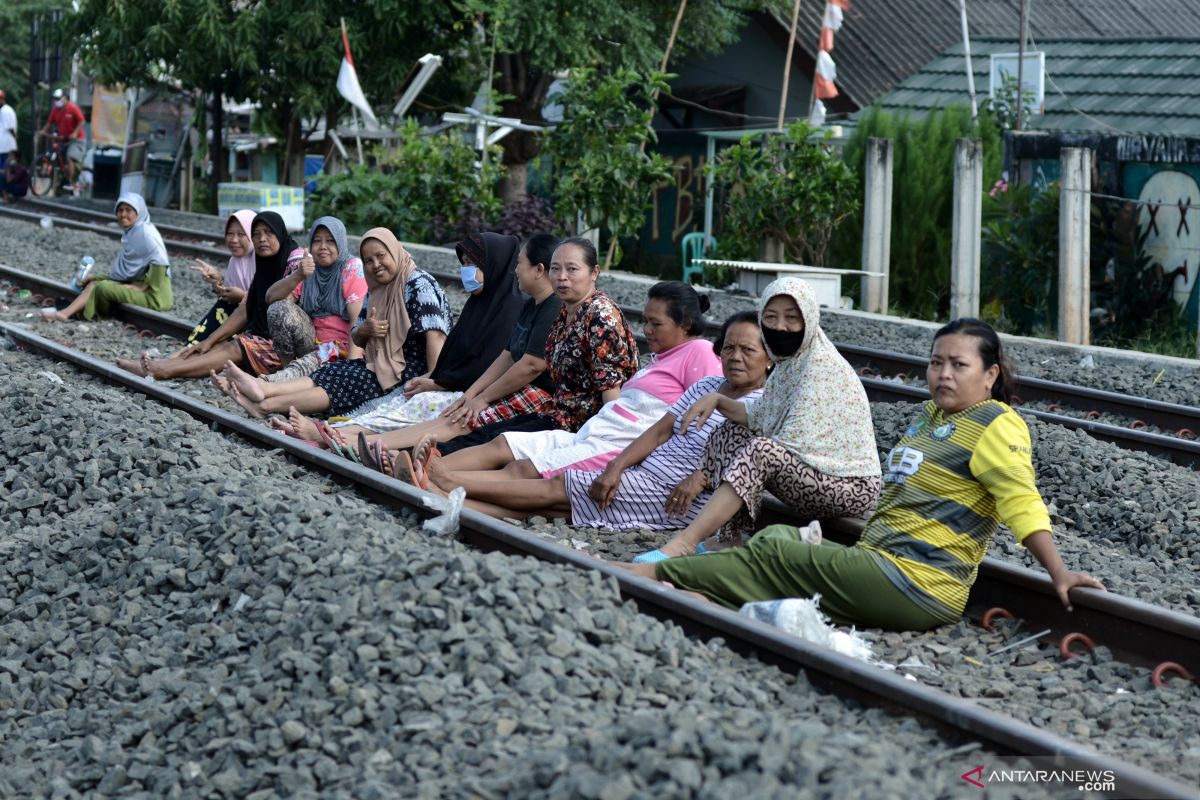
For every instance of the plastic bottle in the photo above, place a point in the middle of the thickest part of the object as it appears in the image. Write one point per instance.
(84, 269)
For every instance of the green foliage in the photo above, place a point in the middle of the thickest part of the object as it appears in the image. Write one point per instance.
(922, 200)
(791, 187)
(15, 17)
(1003, 106)
(599, 163)
(407, 187)
(1019, 257)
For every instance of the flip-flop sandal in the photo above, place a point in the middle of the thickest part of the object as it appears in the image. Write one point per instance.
(420, 476)
(387, 464)
(652, 557)
(402, 469)
(344, 448)
(365, 456)
(327, 438)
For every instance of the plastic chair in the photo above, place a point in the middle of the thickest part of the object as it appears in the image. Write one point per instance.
(694, 248)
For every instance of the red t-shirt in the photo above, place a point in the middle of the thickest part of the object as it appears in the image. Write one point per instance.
(66, 118)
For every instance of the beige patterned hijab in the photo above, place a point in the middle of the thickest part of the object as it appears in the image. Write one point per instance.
(385, 356)
(814, 404)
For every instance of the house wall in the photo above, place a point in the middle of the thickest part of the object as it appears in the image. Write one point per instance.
(755, 61)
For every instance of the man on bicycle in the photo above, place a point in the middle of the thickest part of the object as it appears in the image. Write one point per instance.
(67, 119)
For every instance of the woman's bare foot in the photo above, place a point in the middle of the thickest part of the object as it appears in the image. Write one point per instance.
(249, 386)
(221, 382)
(678, 547)
(424, 450)
(130, 365)
(302, 427)
(439, 475)
(53, 315)
(246, 403)
(278, 423)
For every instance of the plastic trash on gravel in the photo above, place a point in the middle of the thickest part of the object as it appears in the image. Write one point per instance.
(801, 617)
(445, 523)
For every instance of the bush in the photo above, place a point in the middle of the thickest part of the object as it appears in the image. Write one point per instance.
(791, 187)
(922, 200)
(411, 187)
(1019, 257)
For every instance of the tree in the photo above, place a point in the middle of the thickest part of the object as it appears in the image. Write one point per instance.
(536, 39)
(15, 17)
(601, 169)
(922, 199)
(209, 45)
(792, 188)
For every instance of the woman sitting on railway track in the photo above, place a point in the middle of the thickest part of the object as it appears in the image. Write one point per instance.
(963, 467)
(313, 305)
(400, 314)
(231, 287)
(140, 274)
(514, 383)
(681, 357)
(810, 440)
(244, 338)
(654, 483)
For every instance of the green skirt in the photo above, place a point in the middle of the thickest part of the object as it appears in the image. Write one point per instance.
(776, 564)
(107, 293)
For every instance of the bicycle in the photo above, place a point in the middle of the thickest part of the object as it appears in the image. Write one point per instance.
(45, 178)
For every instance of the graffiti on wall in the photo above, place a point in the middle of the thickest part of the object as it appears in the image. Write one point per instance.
(1169, 221)
(677, 205)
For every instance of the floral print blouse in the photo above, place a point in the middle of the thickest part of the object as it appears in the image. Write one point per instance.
(588, 353)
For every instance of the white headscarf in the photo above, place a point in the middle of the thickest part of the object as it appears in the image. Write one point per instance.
(813, 403)
(141, 245)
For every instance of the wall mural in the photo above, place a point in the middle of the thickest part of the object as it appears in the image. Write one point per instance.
(1169, 218)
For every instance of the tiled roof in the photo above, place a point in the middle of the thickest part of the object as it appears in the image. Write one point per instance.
(1102, 86)
(884, 41)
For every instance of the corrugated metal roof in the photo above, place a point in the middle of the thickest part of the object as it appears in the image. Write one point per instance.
(885, 41)
(1117, 85)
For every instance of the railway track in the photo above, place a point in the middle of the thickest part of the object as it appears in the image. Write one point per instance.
(1183, 420)
(1177, 450)
(1128, 627)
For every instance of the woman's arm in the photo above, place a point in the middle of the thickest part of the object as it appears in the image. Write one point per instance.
(702, 409)
(352, 312)
(433, 347)
(604, 488)
(283, 288)
(479, 395)
(1043, 549)
(516, 377)
(608, 395)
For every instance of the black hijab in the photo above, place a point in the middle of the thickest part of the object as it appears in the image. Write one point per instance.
(267, 271)
(487, 319)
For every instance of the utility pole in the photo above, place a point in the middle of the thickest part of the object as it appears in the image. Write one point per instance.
(1021, 61)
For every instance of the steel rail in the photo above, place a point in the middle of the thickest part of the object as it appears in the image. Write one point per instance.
(1135, 631)
(1179, 451)
(841, 675)
(1169, 416)
(108, 230)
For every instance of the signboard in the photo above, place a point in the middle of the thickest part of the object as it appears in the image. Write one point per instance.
(110, 112)
(1005, 65)
(287, 201)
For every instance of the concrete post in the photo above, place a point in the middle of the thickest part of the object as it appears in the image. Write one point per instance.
(968, 214)
(1074, 245)
(877, 225)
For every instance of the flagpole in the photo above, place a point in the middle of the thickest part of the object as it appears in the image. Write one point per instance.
(962, 7)
(357, 136)
(787, 66)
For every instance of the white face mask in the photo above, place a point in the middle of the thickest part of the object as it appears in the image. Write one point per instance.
(60, 102)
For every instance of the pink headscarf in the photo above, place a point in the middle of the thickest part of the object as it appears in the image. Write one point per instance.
(241, 270)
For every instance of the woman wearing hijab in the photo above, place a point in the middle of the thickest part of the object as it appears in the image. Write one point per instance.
(313, 305)
(244, 338)
(231, 288)
(344, 385)
(809, 439)
(140, 274)
(478, 336)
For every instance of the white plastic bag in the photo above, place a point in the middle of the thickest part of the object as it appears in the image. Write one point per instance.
(801, 617)
(445, 523)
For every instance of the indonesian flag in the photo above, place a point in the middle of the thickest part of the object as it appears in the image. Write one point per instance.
(347, 84)
(825, 76)
(829, 26)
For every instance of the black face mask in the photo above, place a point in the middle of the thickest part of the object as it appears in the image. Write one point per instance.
(783, 344)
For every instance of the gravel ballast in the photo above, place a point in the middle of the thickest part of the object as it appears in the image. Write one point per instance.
(184, 615)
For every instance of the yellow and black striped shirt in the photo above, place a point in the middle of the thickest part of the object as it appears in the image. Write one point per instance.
(948, 484)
